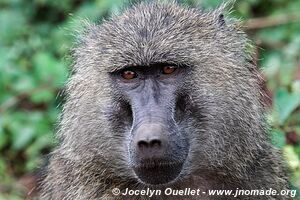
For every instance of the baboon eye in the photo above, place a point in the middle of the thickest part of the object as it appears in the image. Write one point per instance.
(127, 74)
(168, 69)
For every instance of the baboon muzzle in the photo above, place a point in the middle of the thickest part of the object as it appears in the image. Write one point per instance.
(155, 148)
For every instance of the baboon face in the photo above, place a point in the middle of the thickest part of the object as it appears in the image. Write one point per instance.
(163, 95)
(157, 147)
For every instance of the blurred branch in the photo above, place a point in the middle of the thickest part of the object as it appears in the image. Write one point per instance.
(270, 44)
(269, 21)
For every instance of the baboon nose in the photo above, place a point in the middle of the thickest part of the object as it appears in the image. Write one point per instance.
(150, 140)
(149, 143)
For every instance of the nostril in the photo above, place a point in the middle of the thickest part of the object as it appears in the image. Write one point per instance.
(142, 144)
(155, 142)
(150, 144)
(149, 138)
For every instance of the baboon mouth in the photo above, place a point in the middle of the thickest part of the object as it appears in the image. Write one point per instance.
(155, 173)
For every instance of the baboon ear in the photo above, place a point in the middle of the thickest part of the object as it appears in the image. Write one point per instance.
(223, 10)
(221, 19)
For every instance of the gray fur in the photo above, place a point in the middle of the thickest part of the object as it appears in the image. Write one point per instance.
(229, 144)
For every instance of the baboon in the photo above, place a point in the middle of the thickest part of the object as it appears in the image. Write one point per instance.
(163, 96)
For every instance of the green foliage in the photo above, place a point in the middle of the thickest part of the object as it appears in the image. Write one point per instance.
(286, 102)
(35, 38)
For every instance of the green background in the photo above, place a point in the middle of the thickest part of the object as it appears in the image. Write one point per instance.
(35, 41)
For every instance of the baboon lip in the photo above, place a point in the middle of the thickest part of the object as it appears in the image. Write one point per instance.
(155, 173)
(149, 165)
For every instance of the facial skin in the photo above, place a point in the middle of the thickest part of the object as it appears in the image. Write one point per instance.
(157, 148)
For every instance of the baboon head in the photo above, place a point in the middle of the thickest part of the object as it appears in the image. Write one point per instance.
(162, 92)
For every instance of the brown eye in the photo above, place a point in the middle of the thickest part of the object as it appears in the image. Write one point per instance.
(127, 74)
(168, 69)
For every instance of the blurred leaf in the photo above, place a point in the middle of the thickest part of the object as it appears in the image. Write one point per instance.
(287, 71)
(285, 103)
(42, 96)
(2, 168)
(296, 86)
(293, 48)
(20, 124)
(210, 4)
(3, 136)
(271, 63)
(278, 138)
(24, 84)
(294, 118)
(49, 70)
(12, 25)
(291, 157)
(11, 197)
(24, 136)
(32, 152)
